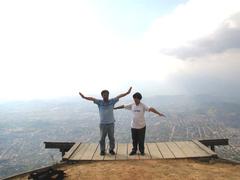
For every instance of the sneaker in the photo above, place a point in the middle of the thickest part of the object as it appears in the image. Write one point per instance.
(142, 153)
(112, 152)
(102, 153)
(132, 153)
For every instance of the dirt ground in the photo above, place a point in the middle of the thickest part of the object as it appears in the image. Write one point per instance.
(152, 169)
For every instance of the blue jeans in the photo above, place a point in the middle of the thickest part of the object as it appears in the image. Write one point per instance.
(107, 129)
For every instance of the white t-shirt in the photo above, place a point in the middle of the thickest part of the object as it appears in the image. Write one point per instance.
(138, 120)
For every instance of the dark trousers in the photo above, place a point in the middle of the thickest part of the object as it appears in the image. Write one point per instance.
(138, 137)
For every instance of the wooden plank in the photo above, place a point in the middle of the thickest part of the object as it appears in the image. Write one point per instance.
(183, 145)
(108, 156)
(154, 151)
(59, 145)
(206, 149)
(165, 151)
(79, 152)
(97, 155)
(214, 142)
(129, 145)
(195, 148)
(178, 153)
(121, 152)
(71, 151)
(146, 151)
(88, 155)
(180, 149)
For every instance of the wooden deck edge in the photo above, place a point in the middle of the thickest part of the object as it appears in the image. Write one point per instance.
(68, 155)
(207, 158)
(201, 159)
(205, 148)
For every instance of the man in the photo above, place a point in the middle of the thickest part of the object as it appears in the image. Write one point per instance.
(138, 125)
(107, 120)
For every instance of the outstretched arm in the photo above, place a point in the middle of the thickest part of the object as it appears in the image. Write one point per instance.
(124, 94)
(119, 107)
(87, 98)
(151, 109)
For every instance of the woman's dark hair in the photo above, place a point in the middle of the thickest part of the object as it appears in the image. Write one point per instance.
(104, 91)
(137, 95)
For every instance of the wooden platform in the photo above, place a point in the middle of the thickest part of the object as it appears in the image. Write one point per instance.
(160, 150)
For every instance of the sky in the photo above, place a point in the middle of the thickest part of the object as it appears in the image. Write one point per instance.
(56, 48)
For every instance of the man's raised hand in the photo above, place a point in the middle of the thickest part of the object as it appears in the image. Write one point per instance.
(81, 94)
(129, 90)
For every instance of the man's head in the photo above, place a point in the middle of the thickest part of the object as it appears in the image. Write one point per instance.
(137, 97)
(105, 94)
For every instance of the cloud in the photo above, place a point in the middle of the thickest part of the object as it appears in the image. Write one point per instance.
(53, 48)
(195, 25)
(50, 48)
(226, 37)
(214, 74)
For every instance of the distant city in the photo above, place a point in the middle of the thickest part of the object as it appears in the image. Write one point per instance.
(24, 126)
